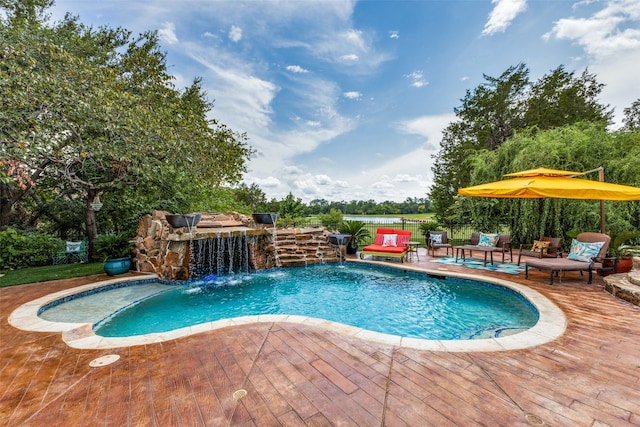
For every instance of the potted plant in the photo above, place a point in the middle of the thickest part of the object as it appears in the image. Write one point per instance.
(622, 251)
(625, 257)
(115, 249)
(358, 231)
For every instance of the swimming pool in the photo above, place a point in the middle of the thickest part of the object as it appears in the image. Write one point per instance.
(392, 306)
(380, 300)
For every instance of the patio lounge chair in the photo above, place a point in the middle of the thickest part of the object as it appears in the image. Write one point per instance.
(437, 240)
(503, 244)
(545, 247)
(588, 252)
(388, 242)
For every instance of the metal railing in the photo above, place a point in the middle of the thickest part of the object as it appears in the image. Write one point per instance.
(457, 233)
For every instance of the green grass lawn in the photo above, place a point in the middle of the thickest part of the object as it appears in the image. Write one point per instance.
(48, 272)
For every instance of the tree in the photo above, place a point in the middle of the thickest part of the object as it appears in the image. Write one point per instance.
(496, 110)
(488, 116)
(578, 147)
(493, 110)
(291, 209)
(631, 118)
(250, 196)
(86, 112)
(560, 99)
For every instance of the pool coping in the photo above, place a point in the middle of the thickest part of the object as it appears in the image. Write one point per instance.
(551, 323)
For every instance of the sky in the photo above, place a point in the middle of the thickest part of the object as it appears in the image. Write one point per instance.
(347, 100)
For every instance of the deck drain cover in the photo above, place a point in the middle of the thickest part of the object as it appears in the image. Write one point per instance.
(239, 394)
(104, 360)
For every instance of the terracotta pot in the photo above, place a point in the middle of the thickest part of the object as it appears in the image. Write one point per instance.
(625, 264)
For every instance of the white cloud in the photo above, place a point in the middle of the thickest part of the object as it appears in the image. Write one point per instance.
(610, 32)
(355, 39)
(428, 127)
(242, 97)
(269, 182)
(417, 79)
(394, 34)
(621, 75)
(296, 69)
(502, 15)
(292, 170)
(341, 44)
(611, 39)
(235, 34)
(351, 57)
(353, 95)
(168, 33)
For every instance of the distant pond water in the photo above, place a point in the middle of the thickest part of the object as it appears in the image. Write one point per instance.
(374, 219)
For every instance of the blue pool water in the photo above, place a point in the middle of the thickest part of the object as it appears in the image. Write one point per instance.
(381, 300)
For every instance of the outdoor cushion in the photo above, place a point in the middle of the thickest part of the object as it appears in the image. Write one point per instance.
(389, 240)
(385, 249)
(73, 246)
(540, 246)
(436, 238)
(584, 251)
(488, 239)
(380, 232)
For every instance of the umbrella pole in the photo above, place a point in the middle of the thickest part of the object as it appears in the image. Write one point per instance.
(603, 221)
(602, 218)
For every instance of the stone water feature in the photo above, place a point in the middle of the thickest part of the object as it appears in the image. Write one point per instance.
(625, 286)
(225, 243)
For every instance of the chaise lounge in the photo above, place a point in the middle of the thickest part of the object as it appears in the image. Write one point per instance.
(588, 251)
(388, 242)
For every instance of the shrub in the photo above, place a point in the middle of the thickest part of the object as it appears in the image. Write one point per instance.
(19, 250)
(331, 220)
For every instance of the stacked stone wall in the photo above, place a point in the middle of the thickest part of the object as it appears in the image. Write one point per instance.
(163, 250)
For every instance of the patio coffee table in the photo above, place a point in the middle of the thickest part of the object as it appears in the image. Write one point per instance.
(472, 248)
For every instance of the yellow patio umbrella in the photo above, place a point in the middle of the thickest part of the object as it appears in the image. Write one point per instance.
(551, 183)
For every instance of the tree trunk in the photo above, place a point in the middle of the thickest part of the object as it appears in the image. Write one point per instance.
(7, 200)
(90, 223)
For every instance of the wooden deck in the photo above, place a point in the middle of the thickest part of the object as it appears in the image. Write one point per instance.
(300, 375)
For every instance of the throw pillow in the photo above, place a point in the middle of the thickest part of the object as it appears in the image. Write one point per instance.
(488, 239)
(73, 246)
(582, 251)
(389, 240)
(540, 246)
(436, 238)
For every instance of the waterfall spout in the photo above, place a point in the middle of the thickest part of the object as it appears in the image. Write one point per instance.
(218, 256)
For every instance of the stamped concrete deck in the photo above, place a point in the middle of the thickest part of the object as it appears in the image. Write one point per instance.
(301, 374)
